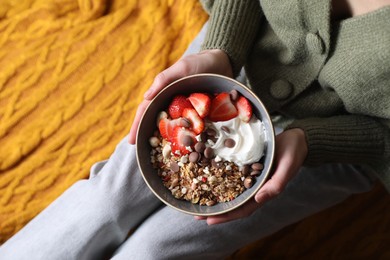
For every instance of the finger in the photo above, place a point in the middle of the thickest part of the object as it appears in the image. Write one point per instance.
(244, 211)
(134, 127)
(200, 217)
(274, 186)
(178, 70)
(269, 191)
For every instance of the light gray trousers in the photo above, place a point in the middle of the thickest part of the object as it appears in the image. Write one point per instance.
(92, 219)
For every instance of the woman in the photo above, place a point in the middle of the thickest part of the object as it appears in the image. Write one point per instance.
(322, 70)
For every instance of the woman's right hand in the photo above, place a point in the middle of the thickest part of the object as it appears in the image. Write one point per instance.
(209, 61)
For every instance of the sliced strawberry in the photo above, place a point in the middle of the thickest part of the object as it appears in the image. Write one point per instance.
(222, 108)
(244, 108)
(182, 138)
(178, 104)
(166, 126)
(197, 123)
(201, 102)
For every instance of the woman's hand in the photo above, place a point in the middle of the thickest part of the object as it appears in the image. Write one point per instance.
(290, 153)
(209, 61)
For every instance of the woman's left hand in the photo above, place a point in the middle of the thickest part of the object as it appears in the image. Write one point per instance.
(290, 153)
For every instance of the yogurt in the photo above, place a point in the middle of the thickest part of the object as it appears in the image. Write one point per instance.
(249, 140)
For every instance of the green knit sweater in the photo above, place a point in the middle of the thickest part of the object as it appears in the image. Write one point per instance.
(333, 78)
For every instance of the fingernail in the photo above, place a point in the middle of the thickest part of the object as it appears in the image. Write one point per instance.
(147, 94)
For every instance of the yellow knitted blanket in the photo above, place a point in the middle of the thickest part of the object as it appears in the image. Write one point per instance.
(72, 73)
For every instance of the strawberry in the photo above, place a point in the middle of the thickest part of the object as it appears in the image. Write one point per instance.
(197, 123)
(222, 108)
(166, 126)
(244, 109)
(201, 102)
(178, 104)
(181, 139)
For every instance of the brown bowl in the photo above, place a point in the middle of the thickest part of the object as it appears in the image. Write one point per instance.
(210, 83)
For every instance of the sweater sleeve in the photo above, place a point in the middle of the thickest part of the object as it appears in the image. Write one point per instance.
(232, 28)
(345, 139)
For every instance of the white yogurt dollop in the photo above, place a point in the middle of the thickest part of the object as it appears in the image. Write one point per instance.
(249, 140)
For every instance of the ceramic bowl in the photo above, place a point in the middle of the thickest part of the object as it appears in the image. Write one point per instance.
(210, 83)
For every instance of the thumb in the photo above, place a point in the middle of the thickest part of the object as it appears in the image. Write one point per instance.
(183, 67)
(274, 186)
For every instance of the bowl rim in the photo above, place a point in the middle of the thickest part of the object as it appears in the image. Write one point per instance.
(272, 142)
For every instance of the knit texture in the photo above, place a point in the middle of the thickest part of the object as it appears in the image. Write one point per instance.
(306, 67)
(232, 24)
(71, 76)
(342, 139)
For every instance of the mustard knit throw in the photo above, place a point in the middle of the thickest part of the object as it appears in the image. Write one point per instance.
(71, 76)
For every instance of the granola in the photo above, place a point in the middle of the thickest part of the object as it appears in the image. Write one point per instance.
(206, 183)
(207, 149)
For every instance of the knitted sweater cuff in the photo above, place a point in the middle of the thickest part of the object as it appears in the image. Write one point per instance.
(343, 139)
(232, 28)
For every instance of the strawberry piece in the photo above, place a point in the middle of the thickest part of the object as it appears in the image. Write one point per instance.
(244, 108)
(222, 108)
(197, 123)
(166, 126)
(201, 102)
(181, 139)
(178, 104)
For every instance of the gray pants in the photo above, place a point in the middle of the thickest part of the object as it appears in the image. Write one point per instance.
(93, 218)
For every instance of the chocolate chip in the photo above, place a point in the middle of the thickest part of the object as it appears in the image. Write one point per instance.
(203, 137)
(246, 170)
(200, 147)
(229, 143)
(186, 140)
(234, 95)
(213, 138)
(209, 153)
(194, 157)
(211, 132)
(204, 161)
(174, 167)
(225, 129)
(255, 173)
(257, 166)
(248, 182)
(216, 164)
